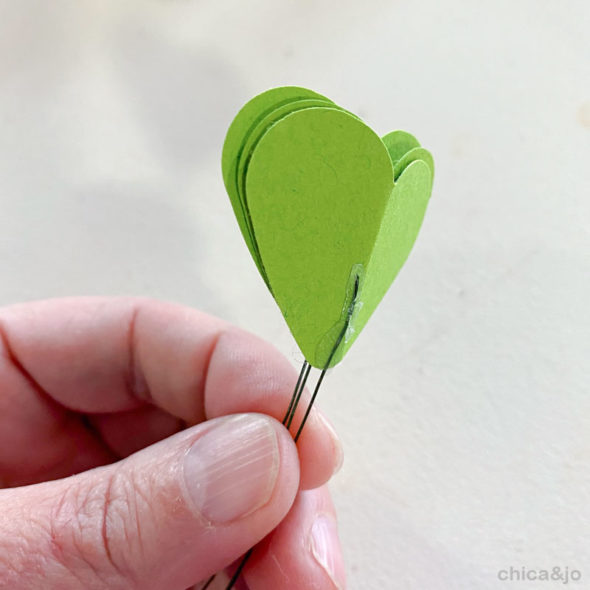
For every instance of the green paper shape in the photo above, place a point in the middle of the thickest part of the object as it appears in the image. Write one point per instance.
(249, 115)
(250, 143)
(247, 118)
(399, 143)
(413, 155)
(399, 229)
(329, 211)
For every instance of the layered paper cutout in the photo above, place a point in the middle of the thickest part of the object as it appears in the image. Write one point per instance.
(328, 210)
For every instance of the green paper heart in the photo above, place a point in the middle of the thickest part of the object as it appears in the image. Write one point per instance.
(249, 145)
(251, 114)
(328, 209)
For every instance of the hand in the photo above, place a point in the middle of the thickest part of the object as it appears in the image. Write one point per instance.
(140, 448)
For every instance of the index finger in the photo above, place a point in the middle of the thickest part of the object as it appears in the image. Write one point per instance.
(102, 355)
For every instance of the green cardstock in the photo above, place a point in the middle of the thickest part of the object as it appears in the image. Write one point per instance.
(413, 155)
(399, 143)
(249, 145)
(329, 210)
(316, 208)
(245, 121)
(399, 229)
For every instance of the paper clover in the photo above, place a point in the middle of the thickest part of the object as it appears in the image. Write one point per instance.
(328, 209)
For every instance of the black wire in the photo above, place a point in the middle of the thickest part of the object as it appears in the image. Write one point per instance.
(296, 395)
(327, 365)
(310, 404)
(208, 582)
(304, 373)
(298, 398)
(237, 573)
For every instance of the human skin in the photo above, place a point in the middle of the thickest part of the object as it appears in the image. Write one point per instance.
(141, 447)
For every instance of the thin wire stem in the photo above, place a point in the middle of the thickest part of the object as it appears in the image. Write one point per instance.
(300, 385)
(310, 404)
(329, 361)
(287, 420)
(237, 573)
(295, 397)
(208, 583)
(298, 397)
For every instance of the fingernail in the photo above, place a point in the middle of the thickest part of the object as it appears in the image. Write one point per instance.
(232, 469)
(325, 548)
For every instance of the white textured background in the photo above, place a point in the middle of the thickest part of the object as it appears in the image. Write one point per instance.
(465, 405)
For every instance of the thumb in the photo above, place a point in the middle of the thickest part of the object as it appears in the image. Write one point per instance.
(166, 517)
